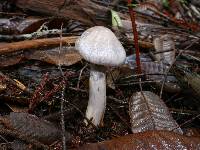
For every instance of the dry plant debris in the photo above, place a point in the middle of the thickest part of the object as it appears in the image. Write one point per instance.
(44, 81)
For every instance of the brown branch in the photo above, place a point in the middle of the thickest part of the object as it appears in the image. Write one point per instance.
(34, 44)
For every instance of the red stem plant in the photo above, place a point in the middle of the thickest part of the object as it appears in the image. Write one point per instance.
(135, 33)
(36, 95)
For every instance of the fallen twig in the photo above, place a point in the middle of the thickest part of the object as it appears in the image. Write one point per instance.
(33, 35)
(34, 44)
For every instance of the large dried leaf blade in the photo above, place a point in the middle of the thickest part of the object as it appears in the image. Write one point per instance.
(34, 127)
(150, 140)
(148, 112)
(65, 57)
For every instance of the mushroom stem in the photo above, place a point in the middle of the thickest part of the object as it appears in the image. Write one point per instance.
(97, 95)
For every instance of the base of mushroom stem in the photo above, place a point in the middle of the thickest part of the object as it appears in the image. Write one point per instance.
(89, 124)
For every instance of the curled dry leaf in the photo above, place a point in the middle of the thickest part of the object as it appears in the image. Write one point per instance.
(149, 67)
(165, 49)
(149, 112)
(33, 127)
(156, 71)
(150, 140)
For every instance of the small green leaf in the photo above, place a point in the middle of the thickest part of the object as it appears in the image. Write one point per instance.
(165, 3)
(132, 5)
(116, 20)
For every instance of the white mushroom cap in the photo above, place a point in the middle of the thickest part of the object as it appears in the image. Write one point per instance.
(100, 46)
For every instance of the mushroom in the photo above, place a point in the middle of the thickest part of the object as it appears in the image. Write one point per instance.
(99, 46)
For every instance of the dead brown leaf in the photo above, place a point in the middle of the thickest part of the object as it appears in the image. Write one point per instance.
(147, 140)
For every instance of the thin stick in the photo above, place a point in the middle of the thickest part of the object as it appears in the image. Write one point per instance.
(63, 118)
(30, 36)
(62, 98)
(3, 138)
(79, 78)
(134, 83)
